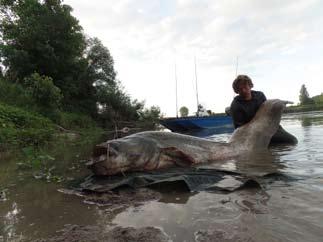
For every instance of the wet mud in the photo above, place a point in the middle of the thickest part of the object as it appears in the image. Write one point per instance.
(125, 197)
(76, 233)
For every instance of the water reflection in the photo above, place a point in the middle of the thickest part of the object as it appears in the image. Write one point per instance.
(306, 122)
(10, 221)
(176, 197)
(306, 158)
(306, 119)
(37, 209)
(204, 211)
(259, 163)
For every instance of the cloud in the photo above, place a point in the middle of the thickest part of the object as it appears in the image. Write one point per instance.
(146, 36)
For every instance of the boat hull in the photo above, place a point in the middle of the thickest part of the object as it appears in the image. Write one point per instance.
(219, 124)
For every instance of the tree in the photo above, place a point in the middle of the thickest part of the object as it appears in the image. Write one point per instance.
(318, 99)
(183, 111)
(114, 103)
(150, 116)
(43, 37)
(100, 63)
(304, 97)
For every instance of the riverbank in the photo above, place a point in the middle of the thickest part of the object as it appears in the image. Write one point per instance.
(21, 128)
(304, 108)
(36, 143)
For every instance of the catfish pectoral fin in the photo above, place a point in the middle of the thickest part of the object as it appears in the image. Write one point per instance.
(177, 156)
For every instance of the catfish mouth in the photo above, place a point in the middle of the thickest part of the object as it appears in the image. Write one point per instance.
(120, 155)
(101, 170)
(105, 160)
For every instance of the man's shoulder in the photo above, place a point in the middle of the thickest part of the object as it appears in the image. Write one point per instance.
(258, 94)
(235, 102)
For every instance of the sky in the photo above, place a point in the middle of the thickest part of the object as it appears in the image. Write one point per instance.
(279, 44)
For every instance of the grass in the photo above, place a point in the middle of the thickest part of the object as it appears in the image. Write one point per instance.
(22, 128)
(39, 146)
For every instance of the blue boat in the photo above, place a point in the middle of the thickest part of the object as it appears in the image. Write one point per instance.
(217, 123)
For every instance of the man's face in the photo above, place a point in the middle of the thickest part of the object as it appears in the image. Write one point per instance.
(244, 90)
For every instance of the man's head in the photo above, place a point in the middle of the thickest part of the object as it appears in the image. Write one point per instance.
(242, 85)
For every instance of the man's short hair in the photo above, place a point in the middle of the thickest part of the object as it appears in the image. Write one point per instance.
(241, 79)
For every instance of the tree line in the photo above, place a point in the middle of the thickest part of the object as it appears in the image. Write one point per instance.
(46, 58)
(305, 99)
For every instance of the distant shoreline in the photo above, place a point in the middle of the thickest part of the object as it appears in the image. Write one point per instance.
(290, 109)
(303, 108)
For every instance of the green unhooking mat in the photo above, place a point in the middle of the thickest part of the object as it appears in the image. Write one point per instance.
(191, 179)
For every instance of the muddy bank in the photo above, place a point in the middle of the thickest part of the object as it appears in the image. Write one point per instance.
(212, 235)
(111, 202)
(125, 197)
(78, 233)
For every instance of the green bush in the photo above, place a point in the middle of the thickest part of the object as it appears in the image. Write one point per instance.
(22, 128)
(15, 94)
(43, 90)
(150, 117)
(318, 99)
(75, 121)
(25, 137)
(19, 118)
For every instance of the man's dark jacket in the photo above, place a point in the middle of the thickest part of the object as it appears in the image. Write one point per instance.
(242, 111)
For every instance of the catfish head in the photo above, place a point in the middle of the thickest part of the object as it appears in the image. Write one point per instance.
(147, 151)
(120, 155)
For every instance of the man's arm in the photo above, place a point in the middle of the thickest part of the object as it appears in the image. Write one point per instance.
(237, 115)
(262, 97)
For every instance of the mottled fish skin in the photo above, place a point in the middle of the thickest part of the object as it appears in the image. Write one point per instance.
(153, 150)
(256, 134)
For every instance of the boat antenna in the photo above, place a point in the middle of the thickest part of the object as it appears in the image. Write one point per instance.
(197, 95)
(176, 90)
(237, 63)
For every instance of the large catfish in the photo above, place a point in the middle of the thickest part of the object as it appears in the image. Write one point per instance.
(153, 150)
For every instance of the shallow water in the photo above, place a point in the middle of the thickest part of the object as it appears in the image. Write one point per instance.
(283, 210)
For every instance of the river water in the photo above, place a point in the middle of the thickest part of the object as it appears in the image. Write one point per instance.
(289, 209)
